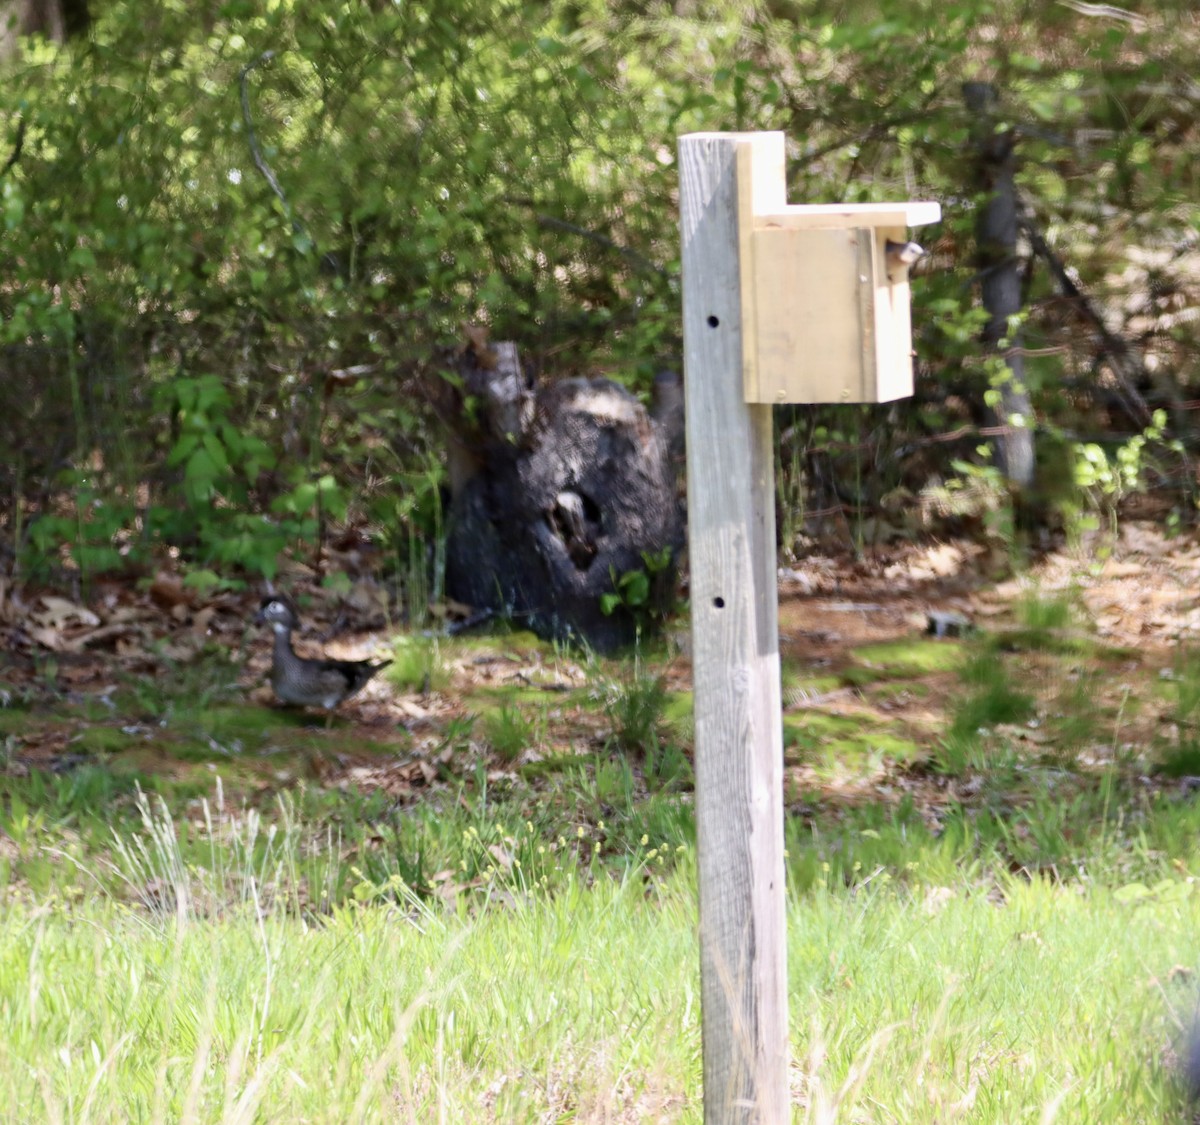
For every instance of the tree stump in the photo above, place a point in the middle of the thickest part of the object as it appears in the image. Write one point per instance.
(556, 493)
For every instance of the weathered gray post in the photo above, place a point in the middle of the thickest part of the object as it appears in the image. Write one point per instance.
(780, 304)
(735, 654)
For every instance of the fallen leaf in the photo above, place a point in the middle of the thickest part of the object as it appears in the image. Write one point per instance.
(944, 560)
(411, 709)
(1114, 569)
(202, 619)
(168, 591)
(48, 638)
(501, 855)
(59, 612)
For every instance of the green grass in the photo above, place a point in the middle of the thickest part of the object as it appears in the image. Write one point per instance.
(919, 1001)
(956, 1005)
(418, 664)
(377, 1013)
(197, 922)
(494, 955)
(837, 745)
(509, 731)
(912, 657)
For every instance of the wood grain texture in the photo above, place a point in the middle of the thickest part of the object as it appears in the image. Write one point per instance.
(830, 319)
(815, 338)
(735, 655)
(893, 321)
(804, 216)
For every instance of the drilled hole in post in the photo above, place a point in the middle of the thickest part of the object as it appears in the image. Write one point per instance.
(713, 321)
(719, 603)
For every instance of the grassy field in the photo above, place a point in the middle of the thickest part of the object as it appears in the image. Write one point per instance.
(917, 1002)
(472, 898)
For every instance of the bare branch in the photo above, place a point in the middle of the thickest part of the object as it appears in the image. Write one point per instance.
(1126, 365)
(260, 161)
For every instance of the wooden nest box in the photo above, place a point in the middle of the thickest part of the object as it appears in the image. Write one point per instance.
(824, 289)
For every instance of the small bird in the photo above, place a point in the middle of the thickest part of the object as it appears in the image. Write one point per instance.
(305, 682)
(902, 253)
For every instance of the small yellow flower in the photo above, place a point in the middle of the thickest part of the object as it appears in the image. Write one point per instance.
(644, 840)
(579, 831)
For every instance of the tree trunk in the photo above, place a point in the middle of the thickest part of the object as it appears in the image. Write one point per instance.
(55, 19)
(996, 241)
(557, 493)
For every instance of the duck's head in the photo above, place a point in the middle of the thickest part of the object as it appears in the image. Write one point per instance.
(276, 612)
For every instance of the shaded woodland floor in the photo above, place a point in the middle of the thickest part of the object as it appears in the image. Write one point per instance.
(1088, 656)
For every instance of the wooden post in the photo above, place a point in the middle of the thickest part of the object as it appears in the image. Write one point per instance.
(735, 635)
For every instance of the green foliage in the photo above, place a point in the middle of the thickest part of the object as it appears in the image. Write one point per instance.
(509, 731)
(640, 592)
(1179, 753)
(635, 705)
(200, 358)
(991, 699)
(91, 535)
(418, 664)
(412, 527)
(218, 469)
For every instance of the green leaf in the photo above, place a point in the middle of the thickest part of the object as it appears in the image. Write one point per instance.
(216, 451)
(635, 587)
(183, 449)
(200, 475)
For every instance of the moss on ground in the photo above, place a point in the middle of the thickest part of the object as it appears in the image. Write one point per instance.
(903, 659)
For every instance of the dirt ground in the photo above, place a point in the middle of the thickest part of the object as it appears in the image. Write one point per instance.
(847, 630)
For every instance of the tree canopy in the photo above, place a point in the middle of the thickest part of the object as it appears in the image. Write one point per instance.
(235, 235)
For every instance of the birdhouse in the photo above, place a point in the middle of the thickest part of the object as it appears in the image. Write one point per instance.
(824, 290)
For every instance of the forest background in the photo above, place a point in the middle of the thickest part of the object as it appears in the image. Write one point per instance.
(238, 237)
(239, 242)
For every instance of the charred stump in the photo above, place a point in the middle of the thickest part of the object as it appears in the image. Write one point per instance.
(556, 493)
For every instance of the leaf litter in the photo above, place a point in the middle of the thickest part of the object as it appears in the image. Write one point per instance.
(76, 664)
